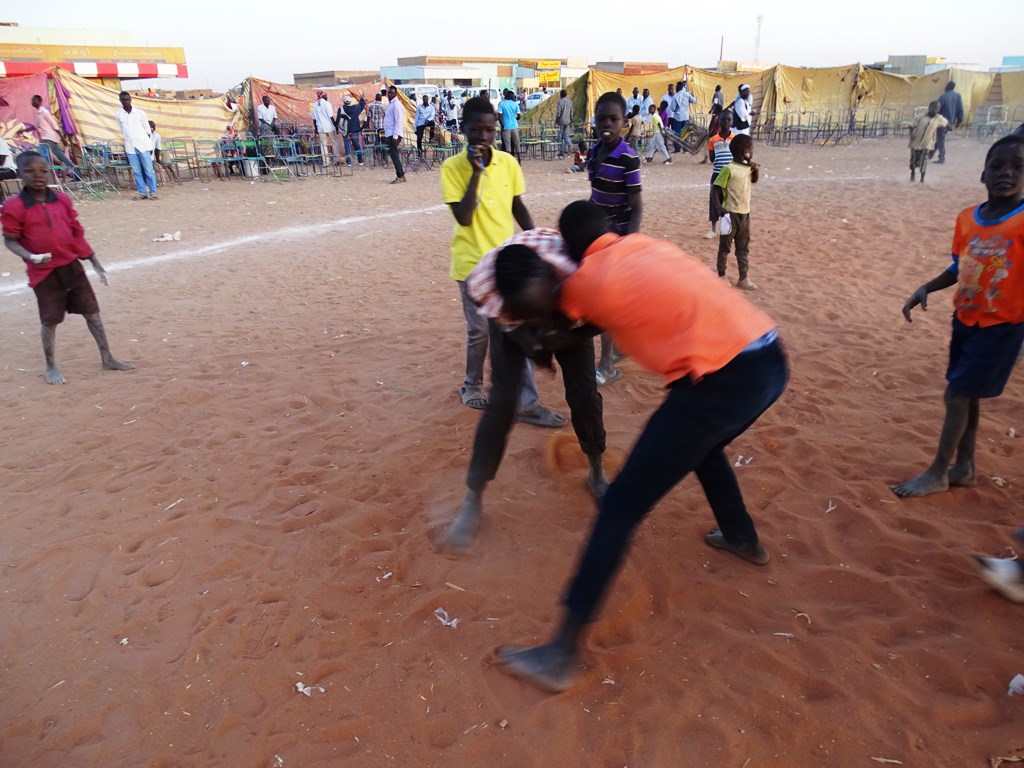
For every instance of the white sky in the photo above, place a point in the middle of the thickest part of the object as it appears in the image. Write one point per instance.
(228, 40)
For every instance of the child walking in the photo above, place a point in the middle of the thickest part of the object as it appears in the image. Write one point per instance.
(40, 225)
(735, 180)
(923, 134)
(988, 322)
(657, 144)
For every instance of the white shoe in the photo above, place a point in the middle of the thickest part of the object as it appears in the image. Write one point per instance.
(1005, 576)
(710, 235)
(746, 285)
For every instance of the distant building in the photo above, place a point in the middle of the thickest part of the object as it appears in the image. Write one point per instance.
(486, 71)
(334, 77)
(97, 54)
(919, 65)
(1011, 64)
(632, 67)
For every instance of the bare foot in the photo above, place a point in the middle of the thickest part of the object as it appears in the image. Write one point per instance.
(962, 474)
(462, 531)
(111, 364)
(927, 482)
(53, 376)
(546, 666)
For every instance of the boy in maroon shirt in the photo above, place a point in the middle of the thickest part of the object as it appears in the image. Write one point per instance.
(40, 225)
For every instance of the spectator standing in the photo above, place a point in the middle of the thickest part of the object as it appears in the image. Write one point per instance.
(266, 118)
(138, 146)
(743, 110)
(394, 127)
(508, 114)
(564, 114)
(49, 134)
(353, 136)
(951, 107)
(323, 121)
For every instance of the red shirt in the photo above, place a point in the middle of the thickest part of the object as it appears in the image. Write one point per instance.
(50, 227)
(664, 308)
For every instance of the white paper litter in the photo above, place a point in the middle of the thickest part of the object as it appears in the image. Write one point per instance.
(442, 616)
(123, 641)
(308, 689)
(168, 237)
(742, 462)
(1016, 686)
(385, 577)
(5, 274)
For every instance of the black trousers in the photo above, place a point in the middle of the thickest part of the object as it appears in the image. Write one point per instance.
(574, 352)
(396, 157)
(688, 433)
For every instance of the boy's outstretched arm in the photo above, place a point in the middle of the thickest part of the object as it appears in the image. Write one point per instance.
(22, 252)
(920, 296)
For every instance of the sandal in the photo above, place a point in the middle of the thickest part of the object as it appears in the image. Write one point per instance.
(602, 380)
(473, 398)
(540, 416)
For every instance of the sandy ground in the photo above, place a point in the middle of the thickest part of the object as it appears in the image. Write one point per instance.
(253, 506)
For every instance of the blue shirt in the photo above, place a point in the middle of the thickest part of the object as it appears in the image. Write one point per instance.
(509, 111)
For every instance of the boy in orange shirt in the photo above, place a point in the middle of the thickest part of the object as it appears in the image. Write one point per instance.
(723, 367)
(988, 324)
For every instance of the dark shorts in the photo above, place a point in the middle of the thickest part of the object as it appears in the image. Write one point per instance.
(66, 289)
(982, 359)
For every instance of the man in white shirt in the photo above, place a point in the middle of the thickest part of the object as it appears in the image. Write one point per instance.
(645, 106)
(743, 108)
(266, 118)
(138, 146)
(323, 120)
(633, 101)
(394, 127)
(680, 110)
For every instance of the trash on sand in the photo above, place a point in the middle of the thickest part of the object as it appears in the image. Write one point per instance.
(999, 481)
(442, 616)
(1016, 686)
(1010, 431)
(308, 689)
(168, 237)
(742, 462)
(123, 641)
(385, 577)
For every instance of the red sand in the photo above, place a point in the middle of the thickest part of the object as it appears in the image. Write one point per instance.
(253, 506)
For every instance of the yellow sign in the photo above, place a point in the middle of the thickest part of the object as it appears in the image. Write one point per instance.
(59, 53)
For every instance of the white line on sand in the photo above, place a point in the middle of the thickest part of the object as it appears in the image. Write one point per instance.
(299, 232)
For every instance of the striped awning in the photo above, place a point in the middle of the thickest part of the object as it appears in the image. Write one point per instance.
(125, 70)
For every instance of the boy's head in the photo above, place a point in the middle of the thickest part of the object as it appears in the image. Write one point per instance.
(36, 101)
(950, 86)
(718, 89)
(742, 148)
(651, 109)
(609, 117)
(671, 88)
(581, 145)
(679, 86)
(33, 170)
(527, 284)
(635, 110)
(479, 121)
(1003, 176)
(933, 109)
(581, 223)
(563, 93)
(152, 125)
(663, 106)
(725, 122)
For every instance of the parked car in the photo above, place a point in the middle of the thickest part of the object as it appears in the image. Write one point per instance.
(536, 99)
